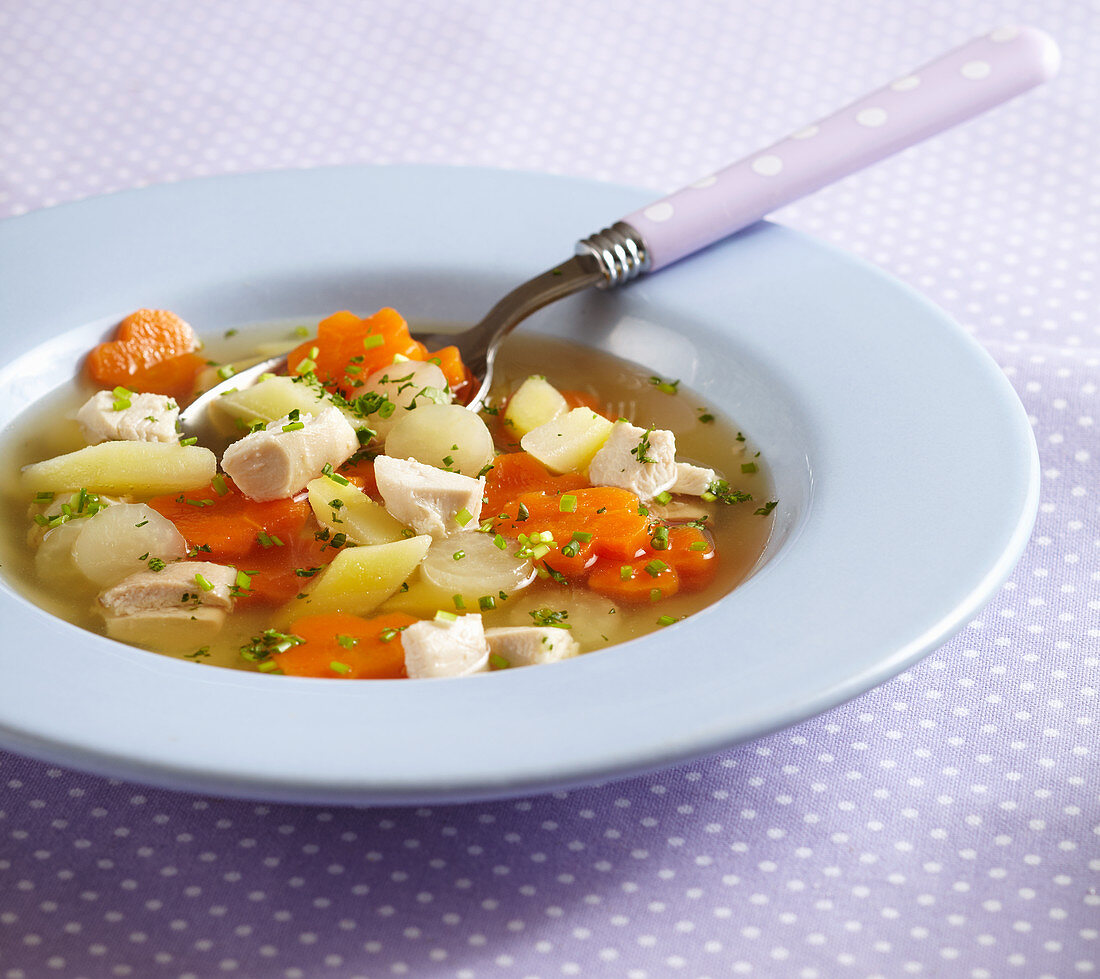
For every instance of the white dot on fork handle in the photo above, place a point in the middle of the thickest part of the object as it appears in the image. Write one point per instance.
(767, 166)
(976, 70)
(872, 118)
(661, 211)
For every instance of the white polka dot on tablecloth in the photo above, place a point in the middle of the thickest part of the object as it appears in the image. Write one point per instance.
(944, 824)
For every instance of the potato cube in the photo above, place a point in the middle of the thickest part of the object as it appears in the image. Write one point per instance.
(568, 443)
(535, 403)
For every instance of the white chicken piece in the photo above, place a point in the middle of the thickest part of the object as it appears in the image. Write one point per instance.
(107, 417)
(531, 645)
(445, 647)
(429, 500)
(692, 480)
(167, 630)
(277, 461)
(180, 585)
(637, 459)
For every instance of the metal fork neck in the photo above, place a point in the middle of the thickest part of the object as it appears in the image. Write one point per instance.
(620, 251)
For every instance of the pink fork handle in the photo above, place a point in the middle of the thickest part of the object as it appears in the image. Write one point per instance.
(945, 92)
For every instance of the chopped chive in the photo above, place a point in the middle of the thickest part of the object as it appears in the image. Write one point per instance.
(654, 594)
(522, 513)
(463, 517)
(498, 662)
(372, 341)
(500, 542)
(698, 545)
(748, 467)
(301, 331)
(226, 371)
(294, 426)
(388, 635)
(122, 398)
(486, 602)
(269, 666)
(347, 641)
(458, 555)
(662, 498)
(442, 616)
(583, 536)
(244, 580)
(337, 667)
(665, 387)
(567, 504)
(305, 366)
(448, 460)
(667, 620)
(43, 497)
(626, 572)
(219, 484)
(655, 567)
(203, 583)
(460, 602)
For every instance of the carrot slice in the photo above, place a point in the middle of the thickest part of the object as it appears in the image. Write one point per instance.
(348, 349)
(601, 521)
(347, 646)
(230, 524)
(514, 473)
(632, 583)
(693, 555)
(360, 472)
(152, 351)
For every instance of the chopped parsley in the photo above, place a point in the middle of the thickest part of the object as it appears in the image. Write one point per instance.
(550, 619)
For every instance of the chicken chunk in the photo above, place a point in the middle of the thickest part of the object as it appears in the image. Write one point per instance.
(107, 417)
(531, 645)
(637, 459)
(438, 648)
(278, 461)
(429, 500)
(167, 630)
(180, 585)
(692, 480)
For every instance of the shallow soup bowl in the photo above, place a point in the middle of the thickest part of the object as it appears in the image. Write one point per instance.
(903, 464)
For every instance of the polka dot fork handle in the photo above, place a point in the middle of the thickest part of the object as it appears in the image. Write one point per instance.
(955, 87)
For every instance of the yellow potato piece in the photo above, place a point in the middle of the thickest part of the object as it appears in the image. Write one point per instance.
(268, 400)
(535, 403)
(568, 443)
(359, 579)
(357, 516)
(117, 468)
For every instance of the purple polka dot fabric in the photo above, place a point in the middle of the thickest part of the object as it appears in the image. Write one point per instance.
(945, 824)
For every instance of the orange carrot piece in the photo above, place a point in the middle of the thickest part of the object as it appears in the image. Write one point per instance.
(348, 349)
(514, 473)
(229, 523)
(360, 472)
(582, 399)
(450, 362)
(695, 566)
(629, 582)
(144, 341)
(606, 514)
(347, 646)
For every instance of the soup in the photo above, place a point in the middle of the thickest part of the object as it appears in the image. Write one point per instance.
(432, 541)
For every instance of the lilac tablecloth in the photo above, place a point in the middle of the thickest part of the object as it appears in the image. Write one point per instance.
(945, 824)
